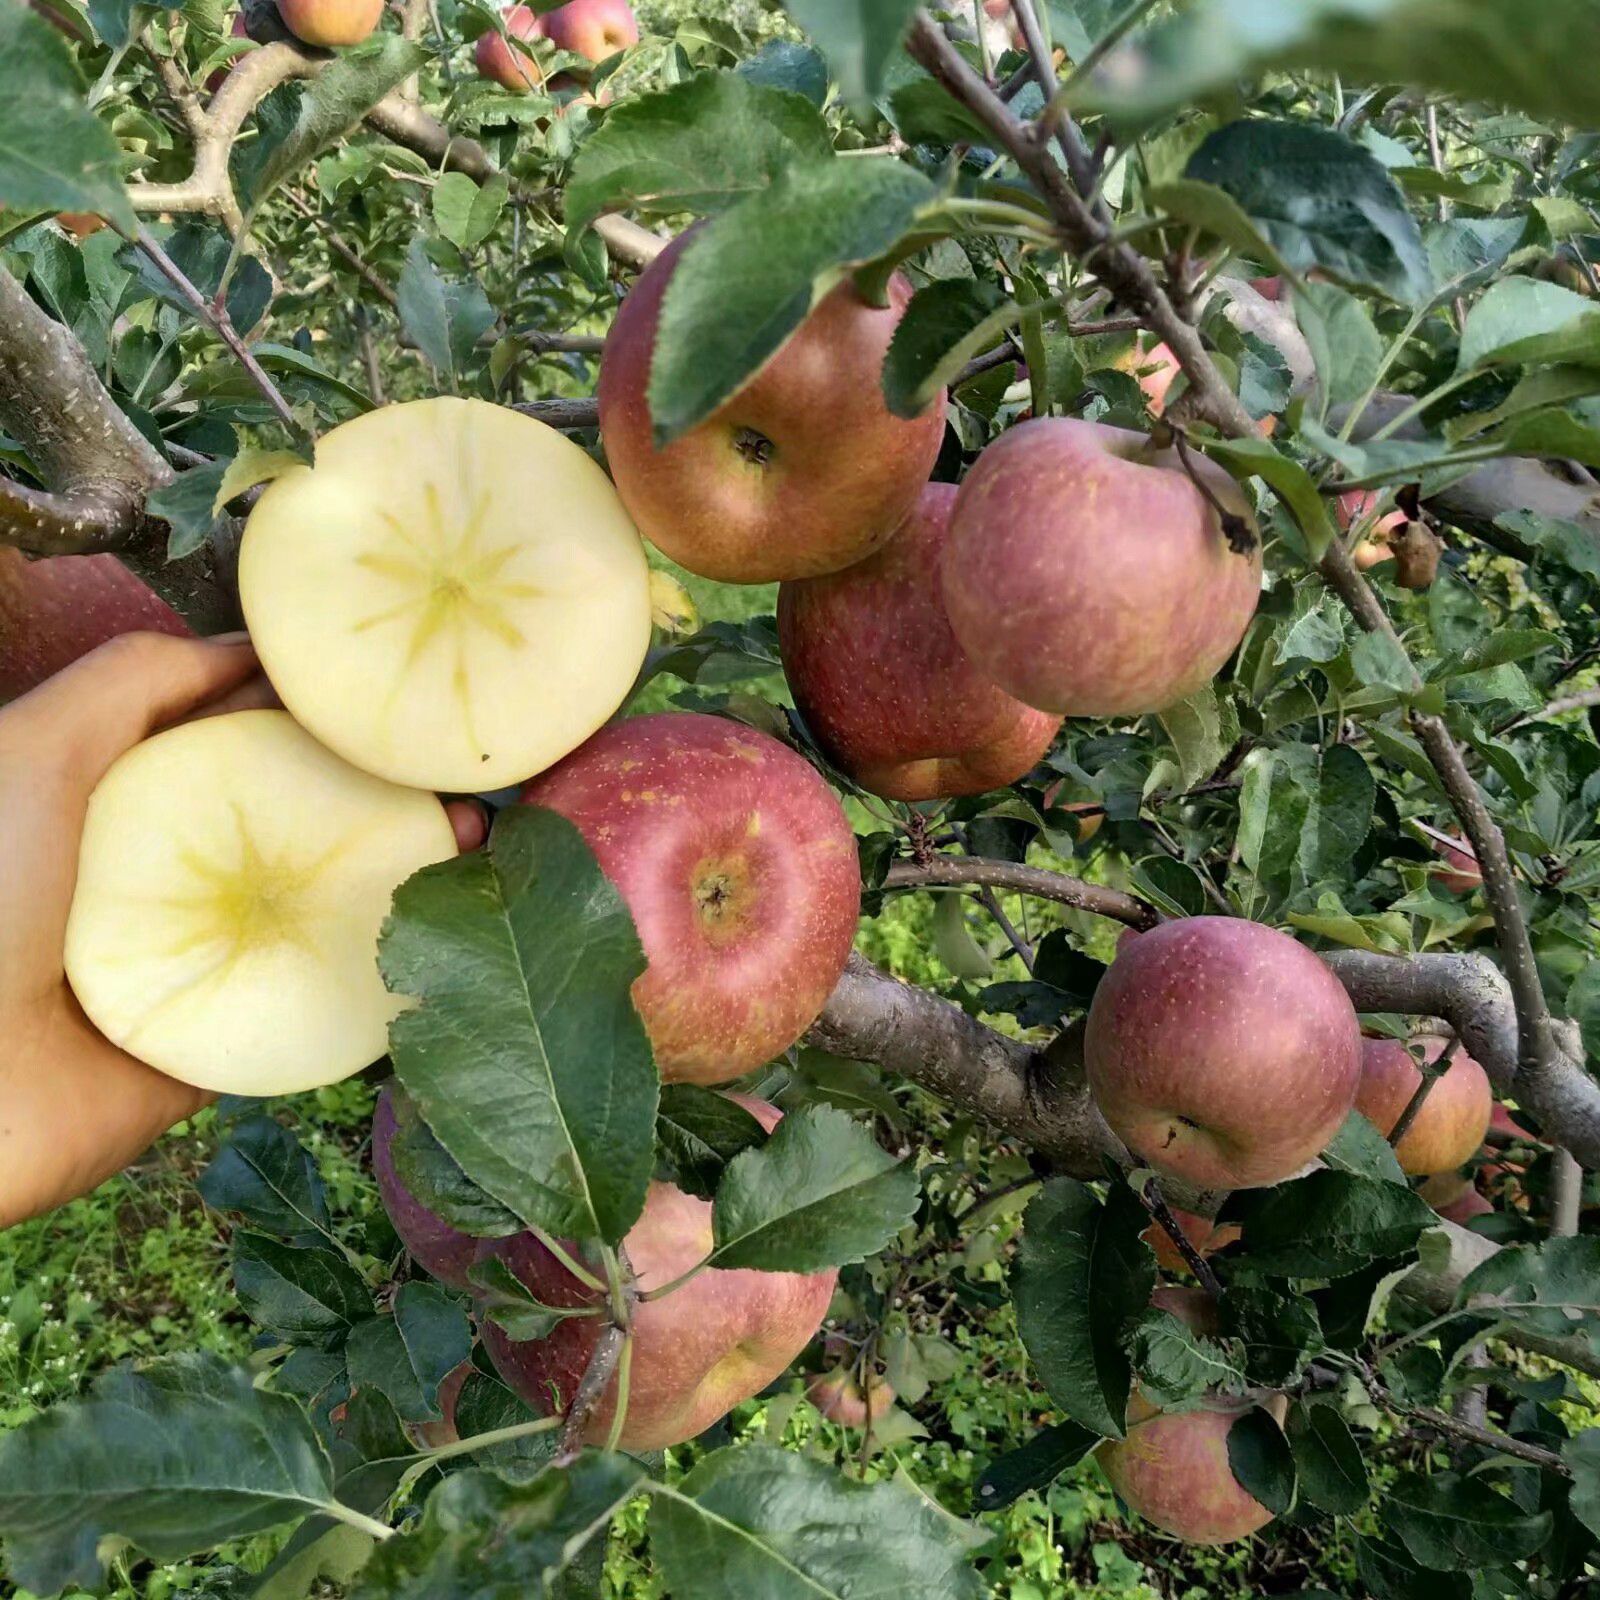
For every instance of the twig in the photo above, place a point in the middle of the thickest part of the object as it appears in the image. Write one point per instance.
(344, 250)
(1566, 1193)
(578, 344)
(596, 1379)
(1156, 1204)
(1419, 1097)
(1488, 1438)
(1583, 700)
(1054, 118)
(959, 871)
(571, 416)
(1121, 25)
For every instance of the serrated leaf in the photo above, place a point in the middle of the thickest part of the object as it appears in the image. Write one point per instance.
(695, 147)
(1293, 485)
(185, 505)
(266, 1174)
(748, 278)
(859, 38)
(943, 327)
(1452, 1523)
(786, 64)
(465, 211)
(1346, 347)
(1175, 1365)
(1261, 1461)
(430, 1174)
(1034, 1465)
(525, 1055)
(1213, 210)
(501, 1296)
(953, 944)
(1333, 1477)
(1082, 1273)
(1359, 1148)
(698, 1132)
(446, 318)
(250, 467)
(1581, 1453)
(1327, 1224)
(757, 1521)
(1202, 730)
(1278, 1329)
(1521, 321)
(1340, 817)
(407, 1355)
(303, 1294)
(173, 1458)
(819, 1193)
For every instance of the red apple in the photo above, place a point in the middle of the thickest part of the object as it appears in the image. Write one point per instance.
(838, 1397)
(329, 24)
(1454, 1197)
(1460, 872)
(699, 1351)
(1193, 1307)
(592, 28)
(803, 471)
(431, 1242)
(1202, 1232)
(740, 869)
(1453, 1119)
(503, 62)
(1222, 1052)
(1374, 546)
(882, 684)
(1502, 1122)
(1268, 288)
(1086, 573)
(53, 611)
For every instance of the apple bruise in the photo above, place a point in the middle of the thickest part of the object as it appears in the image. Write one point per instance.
(1222, 1052)
(740, 870)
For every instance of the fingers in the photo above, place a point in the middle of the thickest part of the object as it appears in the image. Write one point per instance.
(471, 825)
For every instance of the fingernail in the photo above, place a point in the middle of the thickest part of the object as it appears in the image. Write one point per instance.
(240, 637)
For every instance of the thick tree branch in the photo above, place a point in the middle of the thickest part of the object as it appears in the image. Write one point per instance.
(956, 871)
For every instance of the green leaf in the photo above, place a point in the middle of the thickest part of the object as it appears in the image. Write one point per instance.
(1293, 485)
(304, 1294)
(446, 318)
(1176, 1366)
(1333, 1477)
(1202, 729)
(487, 1406)
(859, 38)
(1034, 1465)
(407, 1355)
(1340, 816)
(173, 1458)
(944, 326)
(431, 1174)
(1495, 649)
(334, 102)
(699, 1132)
(501, 1296)
(785, 64)
(54, 154)
(819, 1193)
(1522, 321)
(266, 1174)
(1278, 1329)
(481, 1536)
(757, 1521)
(1327, 1224)
(1582, 1456)
(953, 944)
(467, 212)
(185, 505)
(1345, 345)
(1082, 1273)
(746, 281)
(1261, 1461)
(697, 147)
(1389, 1573)
(1360, 1149)
(526, 1056)
(1452, 1523)
(250, 467)
(1213, 210)
(1320, 200)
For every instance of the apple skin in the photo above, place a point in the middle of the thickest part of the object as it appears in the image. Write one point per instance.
(1374, 546)
(1460, 872)
(740, 870)
(803, 471)
(440, 1250)
(1087, 575)
(882, 684)
(1202, 1232)
(1502, 1122)
(55, 610)
(722, 1337)
(838, 1397)
(1454, 1196)
(592, 28)
(329, 24)
(1453, 1119)
(1172, 1468)
(1222, 1052)
(500, 62)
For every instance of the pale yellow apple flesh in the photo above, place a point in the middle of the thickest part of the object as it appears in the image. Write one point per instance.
(232, 880)
(452, 597)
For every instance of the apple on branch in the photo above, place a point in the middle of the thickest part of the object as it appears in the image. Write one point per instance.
(1454, 1117)
(803, 471)
(234, 945)
(439, 1249)
(1088, 573)
(452, 597)
(839, 1397)
(739, 867)
(502, 62)
(882, 683)
(595, 29)
(1203, 1233)
(719, 1338)
(329, 24)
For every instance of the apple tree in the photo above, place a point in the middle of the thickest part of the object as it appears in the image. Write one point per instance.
(1170, 429)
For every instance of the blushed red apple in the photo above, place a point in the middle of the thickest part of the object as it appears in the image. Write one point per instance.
(330, 24)
(720, 1338)
(884, 687)
(503, 63)
(592, 28)
(740, 870)
(1086, 573)
(1202, 1232)
(803, 471)
(839, 1397)
(1222, 1052)
(432, 1243)
(1460, 872)
(1454, 1118)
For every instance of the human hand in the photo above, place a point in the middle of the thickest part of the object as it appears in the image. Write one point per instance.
(74, 1109)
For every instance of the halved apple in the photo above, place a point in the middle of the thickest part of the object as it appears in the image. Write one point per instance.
(232, 880)
(452, 597)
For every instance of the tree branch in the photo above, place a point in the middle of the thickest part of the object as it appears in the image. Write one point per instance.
(958, 871)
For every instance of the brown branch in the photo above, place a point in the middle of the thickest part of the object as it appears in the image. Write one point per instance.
(345, 251)
(960, 871)
(571, 416)
(74, 523)
(1566, 1193)
(578, 344)
(1488, 1438)
(1156, 1204)
(596, 1379)
(1413, 1107)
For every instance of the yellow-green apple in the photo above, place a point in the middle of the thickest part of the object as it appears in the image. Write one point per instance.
(502, 62)
(803, 471)
(592, 28)
(1222, 1052)
(838, 1396)
(740, 870)
(452, 597)
(330, 23)
(1172, 1468)
(1086, 572)
(1202, 1232)
(232, 880)
(697, 1352)
(882, 684)
(430, 1241)
(55, 610)
(1454, 1117)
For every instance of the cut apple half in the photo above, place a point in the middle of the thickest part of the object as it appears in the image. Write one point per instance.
(232, 881)
(453, 596)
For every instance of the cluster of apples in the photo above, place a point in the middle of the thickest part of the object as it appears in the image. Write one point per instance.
(593, 29)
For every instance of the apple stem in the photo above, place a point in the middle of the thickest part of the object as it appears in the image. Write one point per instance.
(1156, 1204)
(569, 1261)
(356, 1519)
